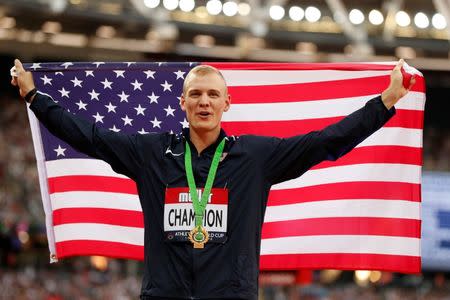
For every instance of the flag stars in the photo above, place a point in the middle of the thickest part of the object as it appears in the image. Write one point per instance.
(127, 121)
(166, 86)
(60, 151)
(110, 107)
(180, 74)
(142, 131)
(59, 73)
(140, 110)
(89, 73)
(81, 105)
(153, 98)
(107, 84)
(77, 82)
(150, 73)
(130, 63)
(114, 128)
(169, 111)
(35, 66)
(185, 123)
(156, 123)
(66, 65)
(47, 80)
(136, 85)
(123, 97)
(98, 118)
(64, 93)
(98, 63)
(94, 95)
(119, 73)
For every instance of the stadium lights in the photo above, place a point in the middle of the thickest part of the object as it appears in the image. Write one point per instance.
(276, 12)
(312, 14)
(151, 3)
(230, 8)
(421, 20)
(187, 5)
(170, 4)
(376, 17)
(214, 7)
(244, 9)
(356, 16)
(402, 19)
(296, 13)
(438, 21)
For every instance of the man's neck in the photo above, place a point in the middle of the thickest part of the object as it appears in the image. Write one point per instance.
(203, 140)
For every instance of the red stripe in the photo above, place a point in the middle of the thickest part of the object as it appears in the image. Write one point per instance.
(347, 190)
(300, 66)
(377, 154)
(90, 247)
(91, 183)
(323, 90)
(118, 217)
(403, 118)
(217, 196)
(342, 261)
(343, 226)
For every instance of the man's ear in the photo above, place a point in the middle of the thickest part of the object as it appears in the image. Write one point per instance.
(182, 103)
(227, 103)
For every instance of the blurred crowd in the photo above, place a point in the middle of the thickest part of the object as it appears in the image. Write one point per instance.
(26, 274)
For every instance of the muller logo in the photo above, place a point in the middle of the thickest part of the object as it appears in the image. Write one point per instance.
(186, 197)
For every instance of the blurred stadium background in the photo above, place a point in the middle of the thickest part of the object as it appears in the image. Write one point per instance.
(215, 30)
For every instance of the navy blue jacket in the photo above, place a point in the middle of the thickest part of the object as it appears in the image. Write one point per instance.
(252, 165)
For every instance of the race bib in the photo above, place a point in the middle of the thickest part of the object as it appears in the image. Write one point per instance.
(179, 217)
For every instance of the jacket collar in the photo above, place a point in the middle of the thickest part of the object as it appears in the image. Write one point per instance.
(210, 148)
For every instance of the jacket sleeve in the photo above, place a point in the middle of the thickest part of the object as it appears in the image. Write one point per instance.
(291, 157)
(117, 149)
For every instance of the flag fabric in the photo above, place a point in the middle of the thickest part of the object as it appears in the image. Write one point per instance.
(359, 212)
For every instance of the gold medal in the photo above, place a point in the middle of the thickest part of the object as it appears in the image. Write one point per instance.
(198, 236)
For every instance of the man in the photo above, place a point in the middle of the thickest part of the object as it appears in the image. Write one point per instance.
(222, 263)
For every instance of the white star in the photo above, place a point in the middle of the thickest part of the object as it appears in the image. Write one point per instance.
(47, 80)
(76, 82)
(191, 63)
(156, 123)
(119, 73)
(89, 73)
(142, 131)
(107, 84)
(161, 63)
(64, 93)
(150, 73)
(130, 63)
(94, 95)
(169, 111)
(111, 107)
(66, 65)
(81, 105)
(60, 151)
(127, 120)
(98, 118)
(123, 97)
(98, 63)
(114, 128)
(185, 123)
(180, 74)
(153, 98)
(35, 66)
(136, 85)
(59, 73)
(166, 86)
(140, 110)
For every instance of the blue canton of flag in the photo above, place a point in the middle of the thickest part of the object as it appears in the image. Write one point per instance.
(126, 97)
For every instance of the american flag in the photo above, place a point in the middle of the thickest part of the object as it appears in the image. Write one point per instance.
(360, 212)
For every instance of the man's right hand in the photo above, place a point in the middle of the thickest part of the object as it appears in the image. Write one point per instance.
(24, 80)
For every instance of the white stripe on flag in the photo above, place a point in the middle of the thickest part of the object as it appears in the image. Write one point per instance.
(342, 244)
(377, 208)
(305, 110)
(276, 77)
(95, 200)
(352, 173)
(99, 232)
(395, 136)
(80, 166)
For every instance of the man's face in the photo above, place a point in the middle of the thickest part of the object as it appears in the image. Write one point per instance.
(204, 101)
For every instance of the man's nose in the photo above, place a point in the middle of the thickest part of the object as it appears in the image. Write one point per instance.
(204, 100)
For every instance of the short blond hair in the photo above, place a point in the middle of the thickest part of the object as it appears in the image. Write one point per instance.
(202, 70)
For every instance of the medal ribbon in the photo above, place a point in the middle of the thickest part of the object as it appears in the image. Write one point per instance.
(200, 206)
